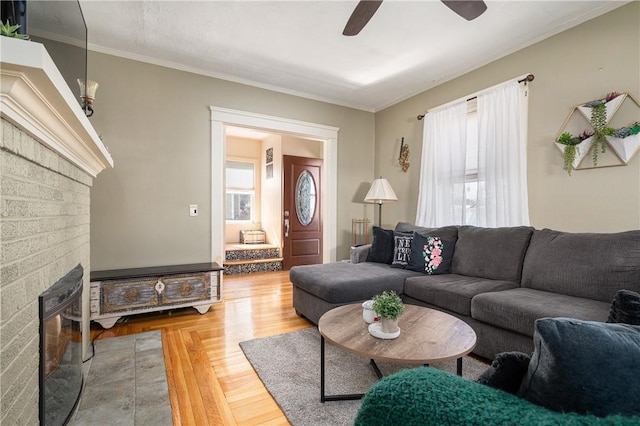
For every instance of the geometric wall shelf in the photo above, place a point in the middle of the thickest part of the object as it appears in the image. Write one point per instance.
(623, 149)
(612, 107)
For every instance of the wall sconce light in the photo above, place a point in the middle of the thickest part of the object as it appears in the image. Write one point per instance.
(89, 96)
(403, 158)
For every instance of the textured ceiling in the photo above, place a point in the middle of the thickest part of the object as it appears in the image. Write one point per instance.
(297, 46)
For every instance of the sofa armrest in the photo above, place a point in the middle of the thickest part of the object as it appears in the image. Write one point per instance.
(427, 396)
(359, 253)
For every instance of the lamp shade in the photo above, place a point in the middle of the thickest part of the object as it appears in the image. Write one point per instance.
(380, 192)
(91, 87)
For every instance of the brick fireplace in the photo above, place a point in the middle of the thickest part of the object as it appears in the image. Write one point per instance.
(49, 156)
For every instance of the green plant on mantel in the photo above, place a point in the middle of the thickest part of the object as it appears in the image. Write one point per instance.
(12, 31)
(388, 305)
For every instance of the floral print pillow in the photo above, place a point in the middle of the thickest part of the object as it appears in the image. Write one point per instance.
(431, 254)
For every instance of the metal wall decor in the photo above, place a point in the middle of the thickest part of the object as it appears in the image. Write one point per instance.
(622, 142)
(403, 158)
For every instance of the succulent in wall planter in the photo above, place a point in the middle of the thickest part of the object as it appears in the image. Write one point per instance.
(8, 30)
(624, 132)
(571, 143)
(599, 124)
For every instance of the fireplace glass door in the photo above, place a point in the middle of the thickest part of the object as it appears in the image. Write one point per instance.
(61, 349)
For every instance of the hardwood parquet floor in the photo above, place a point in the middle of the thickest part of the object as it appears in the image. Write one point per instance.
(210, 380)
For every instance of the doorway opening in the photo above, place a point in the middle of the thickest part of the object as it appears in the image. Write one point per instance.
(222, 119)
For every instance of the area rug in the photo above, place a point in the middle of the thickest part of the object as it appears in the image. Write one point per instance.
(126, 384)
(289, 366)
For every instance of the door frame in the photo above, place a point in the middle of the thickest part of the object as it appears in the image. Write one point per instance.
(327, 134)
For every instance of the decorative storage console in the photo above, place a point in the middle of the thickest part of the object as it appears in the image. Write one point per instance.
(120, 292)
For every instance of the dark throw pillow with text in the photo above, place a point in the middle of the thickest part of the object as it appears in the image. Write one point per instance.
(401, 249)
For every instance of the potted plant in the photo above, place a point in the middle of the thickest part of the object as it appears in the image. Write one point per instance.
(8, 30)
(570, 143)
(599, 122)
(388, 306)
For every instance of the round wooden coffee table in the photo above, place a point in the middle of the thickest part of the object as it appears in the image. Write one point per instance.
(426, 336)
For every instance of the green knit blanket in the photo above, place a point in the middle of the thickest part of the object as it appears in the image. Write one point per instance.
(426, 396)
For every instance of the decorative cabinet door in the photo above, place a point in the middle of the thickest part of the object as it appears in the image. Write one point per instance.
(186, 289)
(126, 295)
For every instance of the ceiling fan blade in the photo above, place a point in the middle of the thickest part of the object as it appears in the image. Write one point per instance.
(364, 10)
(468, 9)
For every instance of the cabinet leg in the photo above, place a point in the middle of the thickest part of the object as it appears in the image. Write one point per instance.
(203, 309)
(107, 322)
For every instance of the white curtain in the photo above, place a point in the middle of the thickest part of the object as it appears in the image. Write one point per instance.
(441, 195)
(502, 156)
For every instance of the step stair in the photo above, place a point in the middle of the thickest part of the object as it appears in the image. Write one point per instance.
(251, 258)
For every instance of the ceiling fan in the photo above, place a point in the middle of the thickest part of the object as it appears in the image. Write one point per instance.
(365, 9)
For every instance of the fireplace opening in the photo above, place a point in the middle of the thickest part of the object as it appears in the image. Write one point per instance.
(61, 378)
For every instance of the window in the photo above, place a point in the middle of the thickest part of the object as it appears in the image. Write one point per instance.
(474, 161)
(240, 191)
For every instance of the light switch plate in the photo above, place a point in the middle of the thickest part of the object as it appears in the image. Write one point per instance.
(193, 210)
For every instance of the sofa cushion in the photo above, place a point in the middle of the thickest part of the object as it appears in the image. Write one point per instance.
(585, 367)
(442, 232)
(401, 249)
(506, 371)
(342, 282)
(381, 250)
(519, 308)
(625, 308)
(431, 255)
(450, 291)
(588, 265)
(494, 253)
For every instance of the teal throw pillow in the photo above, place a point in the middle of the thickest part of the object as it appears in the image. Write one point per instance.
(586, 367)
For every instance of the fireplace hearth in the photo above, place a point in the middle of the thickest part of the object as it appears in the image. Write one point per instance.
(61, 378)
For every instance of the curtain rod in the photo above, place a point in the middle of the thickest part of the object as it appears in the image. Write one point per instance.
(525, 79)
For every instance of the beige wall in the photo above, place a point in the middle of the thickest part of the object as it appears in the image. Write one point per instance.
(155, 123)
(576, 66)
(299, 147)
(272, 198)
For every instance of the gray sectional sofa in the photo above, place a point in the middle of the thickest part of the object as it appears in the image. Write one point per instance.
(500, 279)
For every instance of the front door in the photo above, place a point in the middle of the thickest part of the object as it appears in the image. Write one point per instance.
(302, 221)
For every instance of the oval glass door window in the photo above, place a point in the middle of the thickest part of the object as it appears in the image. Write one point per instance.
(305, 198)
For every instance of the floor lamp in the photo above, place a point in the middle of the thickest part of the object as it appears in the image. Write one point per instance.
(379, 193)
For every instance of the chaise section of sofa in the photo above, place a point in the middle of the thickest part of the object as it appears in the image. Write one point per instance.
(320, 288)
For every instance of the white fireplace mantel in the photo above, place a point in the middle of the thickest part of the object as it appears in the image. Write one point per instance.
(35, 97)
